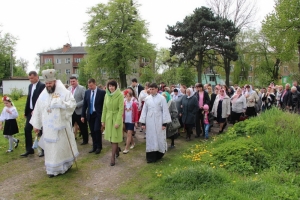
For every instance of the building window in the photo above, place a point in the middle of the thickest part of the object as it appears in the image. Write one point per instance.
(250, 79)
(250, 68)
(134, 70)
(58, 61)
(75, 71)
(77, 60)
(212, 78)
(68, 71)
(68, 61)
(48, 60)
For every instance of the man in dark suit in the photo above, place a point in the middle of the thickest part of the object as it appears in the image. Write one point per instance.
(285, 97)
(78, 92)
(34, 91)
(136, 86)
(92, 112)
(202, 98)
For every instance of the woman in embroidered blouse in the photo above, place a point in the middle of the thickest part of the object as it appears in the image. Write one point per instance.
(9, 115)
(130, 118)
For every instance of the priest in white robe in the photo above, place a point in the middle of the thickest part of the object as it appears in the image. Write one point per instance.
(154, 118)
(53, 111)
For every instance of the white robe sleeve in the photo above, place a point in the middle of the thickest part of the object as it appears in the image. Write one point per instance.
(36, 118)
(166, 114)
(144, 113)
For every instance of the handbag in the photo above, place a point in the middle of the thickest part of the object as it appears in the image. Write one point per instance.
(175, 124)
(35, 143)
(243, 117)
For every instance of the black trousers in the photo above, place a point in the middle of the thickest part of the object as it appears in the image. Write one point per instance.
(83, 127)
(28, 134)
(96, 134)
(235, 117)
(154, 156)
(199, 122)
(189, 130)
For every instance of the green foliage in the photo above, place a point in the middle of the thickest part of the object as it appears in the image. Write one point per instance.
(16, 93)
(116, 37)
(19, 71)
(7, 47)
(147, 74)
(186, 75)
(200, 33)
(255, 159)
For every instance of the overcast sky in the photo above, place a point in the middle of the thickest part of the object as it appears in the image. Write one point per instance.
(41, 25)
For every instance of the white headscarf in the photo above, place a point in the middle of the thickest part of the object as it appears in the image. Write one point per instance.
(191, 93)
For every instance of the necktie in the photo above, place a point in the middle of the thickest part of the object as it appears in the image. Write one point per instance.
(73, 90)
(92, 103)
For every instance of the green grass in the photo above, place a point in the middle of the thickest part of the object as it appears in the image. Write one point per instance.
(255, 159)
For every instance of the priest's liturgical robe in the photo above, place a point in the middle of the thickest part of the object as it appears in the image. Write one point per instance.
(54, 112)
(155, 113)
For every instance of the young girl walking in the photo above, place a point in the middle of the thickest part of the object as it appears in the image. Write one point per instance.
(206, 120)
(130, 118)
(9, 115)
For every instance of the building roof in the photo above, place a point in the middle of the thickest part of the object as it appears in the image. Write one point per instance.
(69, 51)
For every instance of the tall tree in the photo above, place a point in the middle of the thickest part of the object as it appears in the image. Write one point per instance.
(7, 47)
(116, 37)
(226, 45)
(283, 24)
(193, 37)
(240, 12)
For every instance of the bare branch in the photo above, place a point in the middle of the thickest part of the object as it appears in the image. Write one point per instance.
(241, 12)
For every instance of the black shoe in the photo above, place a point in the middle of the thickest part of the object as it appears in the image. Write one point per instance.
(42, 154)
(98, 151)
(112, 164)
(197, 136)
(17, 143)
(50, 175)
(27, 153)
(83, 143)
(93, 150)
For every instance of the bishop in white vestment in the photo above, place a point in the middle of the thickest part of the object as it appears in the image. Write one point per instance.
(154, 118)
(53, 111)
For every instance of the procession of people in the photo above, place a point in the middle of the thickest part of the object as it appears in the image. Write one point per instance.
(160, 112)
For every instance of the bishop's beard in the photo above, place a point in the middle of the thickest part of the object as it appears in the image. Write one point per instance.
(50, 89)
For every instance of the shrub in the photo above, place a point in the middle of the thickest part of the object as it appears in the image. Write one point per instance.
(242, 155)
(16, 94)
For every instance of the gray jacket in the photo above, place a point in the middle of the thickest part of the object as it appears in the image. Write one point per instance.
(240, 105)
(78, 96)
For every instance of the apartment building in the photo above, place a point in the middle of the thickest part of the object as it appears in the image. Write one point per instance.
(66, 60)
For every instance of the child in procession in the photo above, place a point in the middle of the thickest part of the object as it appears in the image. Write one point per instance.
(130, 118)
(9, 115)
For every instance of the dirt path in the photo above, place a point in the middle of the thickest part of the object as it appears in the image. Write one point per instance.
(97, 181)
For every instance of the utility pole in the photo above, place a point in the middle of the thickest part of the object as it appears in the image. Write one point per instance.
(11, 64)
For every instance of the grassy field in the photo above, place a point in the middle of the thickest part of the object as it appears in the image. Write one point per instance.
(255, 159)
